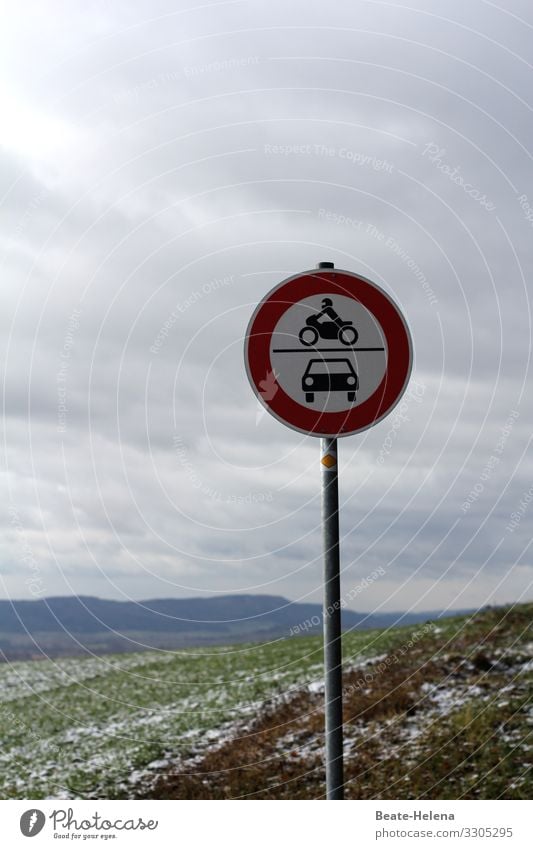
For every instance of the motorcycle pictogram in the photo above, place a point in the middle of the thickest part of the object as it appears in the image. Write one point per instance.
(327, 324)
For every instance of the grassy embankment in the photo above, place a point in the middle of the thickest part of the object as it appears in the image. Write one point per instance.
(430, 712)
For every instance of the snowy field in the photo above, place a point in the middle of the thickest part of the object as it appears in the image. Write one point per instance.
(107, 727)
(88, 728)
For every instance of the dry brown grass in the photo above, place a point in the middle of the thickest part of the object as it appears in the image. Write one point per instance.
(279, 754)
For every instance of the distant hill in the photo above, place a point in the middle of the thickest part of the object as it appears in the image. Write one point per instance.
(70, 625)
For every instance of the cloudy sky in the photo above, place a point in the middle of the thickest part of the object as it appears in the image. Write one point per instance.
(163, 165)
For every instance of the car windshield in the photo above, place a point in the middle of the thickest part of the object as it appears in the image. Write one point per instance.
(330, 367)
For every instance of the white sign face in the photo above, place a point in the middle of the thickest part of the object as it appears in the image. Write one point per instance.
(328, 352)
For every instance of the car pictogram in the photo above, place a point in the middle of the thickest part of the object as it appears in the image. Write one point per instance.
(329, 375)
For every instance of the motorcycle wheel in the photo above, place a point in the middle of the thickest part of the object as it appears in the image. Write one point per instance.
(308, 336)
(348, 335)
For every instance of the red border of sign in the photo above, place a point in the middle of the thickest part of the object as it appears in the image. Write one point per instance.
(398, 341)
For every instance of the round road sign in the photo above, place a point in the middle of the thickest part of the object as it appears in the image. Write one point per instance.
(328, 353)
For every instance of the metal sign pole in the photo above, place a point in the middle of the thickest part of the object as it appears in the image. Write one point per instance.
(323, 389)
(332, 620)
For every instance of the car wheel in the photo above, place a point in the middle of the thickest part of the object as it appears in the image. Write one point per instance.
(348, 335)
(308, 336)
(351, 397)
(310, 396)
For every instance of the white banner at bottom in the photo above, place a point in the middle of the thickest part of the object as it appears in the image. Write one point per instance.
(266, 825)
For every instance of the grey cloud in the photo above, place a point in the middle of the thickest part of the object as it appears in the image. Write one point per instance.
(171, 185)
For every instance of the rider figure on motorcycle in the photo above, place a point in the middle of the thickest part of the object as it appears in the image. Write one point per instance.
(327, 309)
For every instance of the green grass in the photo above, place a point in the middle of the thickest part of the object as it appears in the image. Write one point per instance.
(87, 728)
(79, 727)
(445, 715)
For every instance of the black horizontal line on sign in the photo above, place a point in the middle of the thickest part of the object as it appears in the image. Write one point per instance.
(320, 350)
